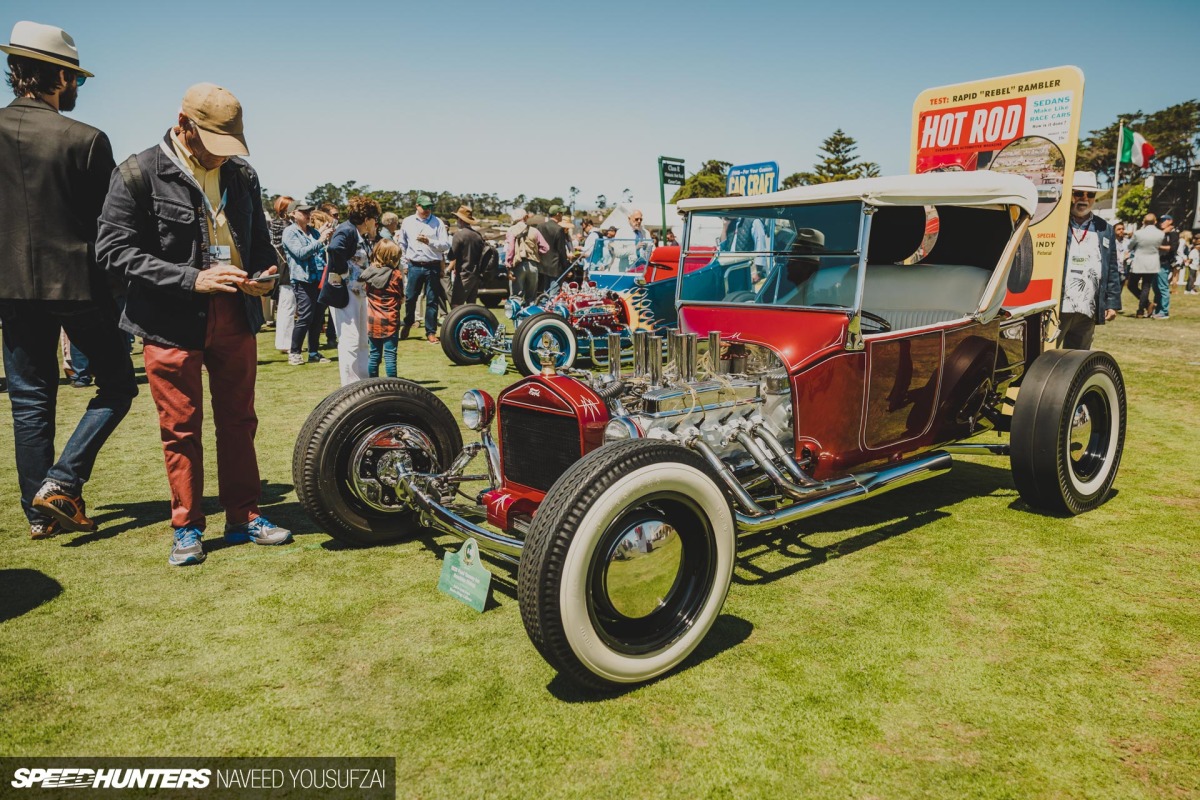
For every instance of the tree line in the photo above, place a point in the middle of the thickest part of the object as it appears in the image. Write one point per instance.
(1174, 132)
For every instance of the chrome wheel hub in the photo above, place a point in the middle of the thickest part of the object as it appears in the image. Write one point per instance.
(1081, 431)
(473, 335)
(643, 567)
(382, 457)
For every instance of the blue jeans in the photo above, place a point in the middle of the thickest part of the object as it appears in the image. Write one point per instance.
(310, 315)
(422, 278)
(1162, 291)
(79, 363)
(31, 348)
(387, 349)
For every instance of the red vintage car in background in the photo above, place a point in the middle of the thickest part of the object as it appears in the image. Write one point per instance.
(848, 355)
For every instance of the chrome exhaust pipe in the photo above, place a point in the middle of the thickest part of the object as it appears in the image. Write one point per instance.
(743, 497)
(803, 493)
(865, 483)
(802, 478)
(614, 356)
(640, 351)
(766, 465)
(654, 360)
(714, 352)
(675, 354)
(690, 341)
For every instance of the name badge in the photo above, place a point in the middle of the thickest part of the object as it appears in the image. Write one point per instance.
(1078, 261)
(219, 252)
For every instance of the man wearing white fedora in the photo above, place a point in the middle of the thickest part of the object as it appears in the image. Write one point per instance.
(54, 175)
(1091, 292)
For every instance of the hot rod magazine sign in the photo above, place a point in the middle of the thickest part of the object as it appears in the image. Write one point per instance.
(1026, 124)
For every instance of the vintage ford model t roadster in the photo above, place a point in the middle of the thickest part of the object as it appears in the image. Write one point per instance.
(852, 356)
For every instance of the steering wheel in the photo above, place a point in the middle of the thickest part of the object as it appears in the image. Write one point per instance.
(884, 325)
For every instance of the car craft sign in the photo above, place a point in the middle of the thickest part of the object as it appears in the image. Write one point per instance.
(1026, 124)
(752, 179)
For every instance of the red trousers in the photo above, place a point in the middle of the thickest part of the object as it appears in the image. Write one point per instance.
(230, 355)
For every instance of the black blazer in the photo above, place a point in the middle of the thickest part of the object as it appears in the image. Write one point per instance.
(54, 174)
(159, 250)
(554, 262)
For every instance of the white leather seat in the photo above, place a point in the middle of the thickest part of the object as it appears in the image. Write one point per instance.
(923, 294)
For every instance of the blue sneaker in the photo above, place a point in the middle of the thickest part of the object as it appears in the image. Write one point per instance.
(188, 548)
(259, 530)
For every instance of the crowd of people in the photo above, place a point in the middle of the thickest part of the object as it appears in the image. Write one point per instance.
(372, 273)
(1154, 259)
(1104, 258)
(174, 247)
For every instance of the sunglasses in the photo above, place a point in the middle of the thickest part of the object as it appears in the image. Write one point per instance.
(80, 79)
(1088, 195)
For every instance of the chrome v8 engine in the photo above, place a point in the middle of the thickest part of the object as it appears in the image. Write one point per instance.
(732, 396)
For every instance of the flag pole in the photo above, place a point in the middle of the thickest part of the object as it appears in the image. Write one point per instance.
(1117, 169)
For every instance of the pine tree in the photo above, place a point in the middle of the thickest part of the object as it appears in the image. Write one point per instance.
(839, 163)
(708, 182)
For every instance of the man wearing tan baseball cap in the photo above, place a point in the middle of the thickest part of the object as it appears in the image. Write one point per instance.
(183, 223)
(217, 115)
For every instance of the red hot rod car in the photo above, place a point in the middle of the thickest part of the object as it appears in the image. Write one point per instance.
(847, 356)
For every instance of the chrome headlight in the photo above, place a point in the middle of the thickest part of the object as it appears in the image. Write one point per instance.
(478, 408)
(620, 429)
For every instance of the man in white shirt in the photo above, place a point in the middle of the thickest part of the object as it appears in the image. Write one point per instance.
(423, 241)
(633, 243)
(1091, 292)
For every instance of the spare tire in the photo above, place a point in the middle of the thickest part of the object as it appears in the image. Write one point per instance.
(1021, 271)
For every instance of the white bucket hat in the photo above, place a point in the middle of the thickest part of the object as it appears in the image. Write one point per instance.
(44, 43)
(1084, 182)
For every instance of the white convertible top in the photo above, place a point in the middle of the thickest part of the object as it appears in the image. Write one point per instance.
(982, 188)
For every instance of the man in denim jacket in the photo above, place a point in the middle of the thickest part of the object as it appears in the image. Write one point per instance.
(195, 249)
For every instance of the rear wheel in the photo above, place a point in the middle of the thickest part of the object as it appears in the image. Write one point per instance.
(466, 332)
(1068, 431)
(627, 564)
(545, 331)
(352, 445)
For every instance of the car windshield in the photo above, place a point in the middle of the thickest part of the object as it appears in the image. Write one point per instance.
(802, 255)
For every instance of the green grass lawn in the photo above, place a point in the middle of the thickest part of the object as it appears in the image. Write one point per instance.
(943, 641)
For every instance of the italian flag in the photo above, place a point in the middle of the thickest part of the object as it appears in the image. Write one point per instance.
(1135, 149)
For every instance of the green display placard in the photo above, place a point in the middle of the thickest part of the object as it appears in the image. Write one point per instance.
(464, 578)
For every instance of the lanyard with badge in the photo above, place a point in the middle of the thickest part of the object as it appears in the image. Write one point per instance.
(217, 253)
(1079, 259)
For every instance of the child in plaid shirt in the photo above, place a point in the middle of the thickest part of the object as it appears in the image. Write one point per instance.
(385, 300)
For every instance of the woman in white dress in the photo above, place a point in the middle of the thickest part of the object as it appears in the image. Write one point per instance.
(349, 255)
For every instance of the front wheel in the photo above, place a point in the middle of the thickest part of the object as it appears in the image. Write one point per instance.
(466, 334)
(544, 331)
(1068, 430)
(353, 444)
(627, 563)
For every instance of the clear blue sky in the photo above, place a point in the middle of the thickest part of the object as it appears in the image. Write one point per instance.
(533, 97)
